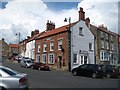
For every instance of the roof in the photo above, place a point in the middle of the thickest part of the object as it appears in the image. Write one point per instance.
(13, 45)
(56, 31)
(35, 36)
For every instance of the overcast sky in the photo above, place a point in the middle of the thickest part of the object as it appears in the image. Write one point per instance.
(25, 16)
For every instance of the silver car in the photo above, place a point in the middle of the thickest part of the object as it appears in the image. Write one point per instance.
(12, 80)
(26, 63)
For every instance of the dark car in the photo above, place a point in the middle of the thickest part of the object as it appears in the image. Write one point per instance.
(40, 66)
(91, 70)
(110, 70)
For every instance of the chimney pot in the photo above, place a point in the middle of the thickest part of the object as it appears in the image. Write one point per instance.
(50, 25)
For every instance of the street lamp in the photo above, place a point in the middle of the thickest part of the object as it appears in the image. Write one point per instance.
(18, 44)
(118, 49)
(69, 43)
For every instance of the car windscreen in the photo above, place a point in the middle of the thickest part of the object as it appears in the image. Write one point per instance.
(9, 71)
(28, 61)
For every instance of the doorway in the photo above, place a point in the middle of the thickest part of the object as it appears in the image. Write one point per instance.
(59, 62)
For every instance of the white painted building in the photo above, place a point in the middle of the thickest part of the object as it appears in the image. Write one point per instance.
(30, 49)
(82, 42)
(30, 45)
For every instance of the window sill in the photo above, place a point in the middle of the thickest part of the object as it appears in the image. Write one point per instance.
(75, 63)
(81, 34)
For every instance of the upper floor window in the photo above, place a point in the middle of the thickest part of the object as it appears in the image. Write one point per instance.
(60, 44)
(111, 37)
(106, 36)
(51, 46)
(112, 46)
(90, 46)
(38, 47)
(102, 44)
(80, 30)
(44, 47)
(107, 45)
(102, 34)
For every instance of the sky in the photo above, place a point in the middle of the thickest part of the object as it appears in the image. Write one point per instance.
(25, 16)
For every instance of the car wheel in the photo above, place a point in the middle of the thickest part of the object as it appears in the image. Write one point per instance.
(3, 88)
(75, 73)
(32, 67)
(108, 75)
(39, 68)
(94, 75)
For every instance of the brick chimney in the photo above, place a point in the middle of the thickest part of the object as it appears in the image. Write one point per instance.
(81, 14)
(50, 25)
(87, 22)
(3, 39)
(33, 33)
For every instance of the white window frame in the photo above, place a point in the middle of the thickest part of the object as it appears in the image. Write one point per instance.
(102, 44)
(112, 46)
(38, 48)
(52, 45)
(51, 59)
(59, 44)
(91, 49)
(75, 60)
(44, 47)
(44, 58)
(102, 34)
(80, 30)
(107, 45)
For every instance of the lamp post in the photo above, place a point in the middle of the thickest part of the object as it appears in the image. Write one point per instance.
(69, 42)
(118, 49)
(18, 44)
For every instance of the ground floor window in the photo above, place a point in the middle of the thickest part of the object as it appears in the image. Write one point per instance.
(51, 58)
(74, 58)
(104, 56)
(38, 58)
(83, 59)
(44, 58)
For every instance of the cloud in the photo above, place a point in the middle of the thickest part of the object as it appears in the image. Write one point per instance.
(27, 15)
(102, 12)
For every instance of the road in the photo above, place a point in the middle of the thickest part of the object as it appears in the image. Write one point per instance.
(61, 79)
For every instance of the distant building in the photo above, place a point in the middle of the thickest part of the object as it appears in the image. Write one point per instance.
(4, 49)
(13, 49)
(106, 45)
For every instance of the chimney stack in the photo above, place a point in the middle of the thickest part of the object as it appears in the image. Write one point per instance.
(33, 33)
(81, 14)
(3, 39)
(87, 22)
(50, 25)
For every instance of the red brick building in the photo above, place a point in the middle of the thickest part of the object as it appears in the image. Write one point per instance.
(52, 47)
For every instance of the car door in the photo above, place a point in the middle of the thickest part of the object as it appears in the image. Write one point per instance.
(82, 70)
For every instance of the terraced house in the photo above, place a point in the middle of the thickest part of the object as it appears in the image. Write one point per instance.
(107, 45)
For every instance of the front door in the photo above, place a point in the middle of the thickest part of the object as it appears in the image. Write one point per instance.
(59, 62)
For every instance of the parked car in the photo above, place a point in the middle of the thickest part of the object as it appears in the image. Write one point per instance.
(26, 63)
(40, 66)
(10, 79)
(91, 70)
(18, 58)
(110, 70)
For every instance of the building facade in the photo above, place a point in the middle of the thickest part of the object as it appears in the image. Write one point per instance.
(106, 45)
(4, 49)
(52, 48)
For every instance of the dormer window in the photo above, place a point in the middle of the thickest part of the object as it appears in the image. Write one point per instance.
(80, 31)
